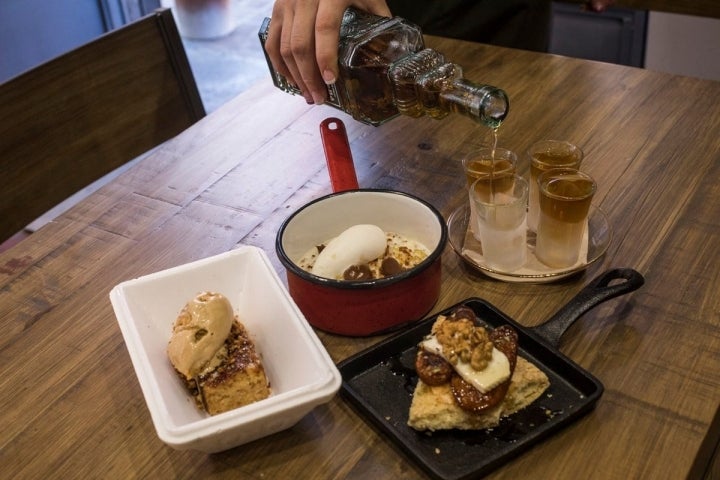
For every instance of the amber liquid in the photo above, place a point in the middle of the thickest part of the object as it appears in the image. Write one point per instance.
(490, 173)
(543, 161)
(488, 168)
(373, 94)
(410, 100)
(567, 199)
(368, 90)
(564, 207)
(494, 166)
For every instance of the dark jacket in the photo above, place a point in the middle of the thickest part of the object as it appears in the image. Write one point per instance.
(511, 23)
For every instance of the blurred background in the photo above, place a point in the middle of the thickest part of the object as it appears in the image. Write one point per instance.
(220, 36)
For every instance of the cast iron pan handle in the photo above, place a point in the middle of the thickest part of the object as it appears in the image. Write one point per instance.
(596, 292)
(338, 155)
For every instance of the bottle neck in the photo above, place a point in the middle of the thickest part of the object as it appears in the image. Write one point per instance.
(484, 104)
(424, 84)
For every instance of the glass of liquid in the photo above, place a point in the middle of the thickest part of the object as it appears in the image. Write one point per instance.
(565, 196)
(498, 220)
(487, 161)
(546, 155)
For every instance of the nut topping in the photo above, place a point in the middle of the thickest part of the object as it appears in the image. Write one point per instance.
(462, 340)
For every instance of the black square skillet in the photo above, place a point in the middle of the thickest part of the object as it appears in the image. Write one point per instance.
(379, 381)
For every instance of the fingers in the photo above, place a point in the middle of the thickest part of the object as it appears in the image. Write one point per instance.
(327, 39)
(327, 32)
(272, 43)
(280, 47)
(303, 40)
(303, 46)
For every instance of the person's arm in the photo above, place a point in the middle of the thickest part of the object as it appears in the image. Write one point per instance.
(303, 38)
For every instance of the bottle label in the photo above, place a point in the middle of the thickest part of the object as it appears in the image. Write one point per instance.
(333, 97)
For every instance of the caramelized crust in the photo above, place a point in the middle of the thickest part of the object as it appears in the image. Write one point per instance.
(432, 368)
(468, 397)
(239, 379)
(241, 357)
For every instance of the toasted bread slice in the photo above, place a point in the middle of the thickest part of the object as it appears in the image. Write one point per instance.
(435, 408)
(239, 380)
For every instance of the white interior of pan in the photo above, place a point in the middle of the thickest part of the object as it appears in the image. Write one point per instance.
(394, 212)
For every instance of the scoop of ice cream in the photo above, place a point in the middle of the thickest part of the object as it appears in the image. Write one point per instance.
(357, 245)
(199, 332)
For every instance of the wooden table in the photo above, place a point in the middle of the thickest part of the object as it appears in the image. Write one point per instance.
(71, 406)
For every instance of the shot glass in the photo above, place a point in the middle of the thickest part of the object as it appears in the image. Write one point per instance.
(546, 155)
(486, 161)
(565, 196)
(498, 220)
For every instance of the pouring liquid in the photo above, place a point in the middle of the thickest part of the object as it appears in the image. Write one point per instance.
(492, 163)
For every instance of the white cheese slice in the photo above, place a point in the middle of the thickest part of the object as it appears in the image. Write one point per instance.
(497, 371)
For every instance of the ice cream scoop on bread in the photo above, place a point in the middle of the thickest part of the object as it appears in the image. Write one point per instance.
(213, 354)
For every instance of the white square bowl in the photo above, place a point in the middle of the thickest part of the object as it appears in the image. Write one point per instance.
(301, 373)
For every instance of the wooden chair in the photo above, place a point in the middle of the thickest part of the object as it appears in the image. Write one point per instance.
(74, 119)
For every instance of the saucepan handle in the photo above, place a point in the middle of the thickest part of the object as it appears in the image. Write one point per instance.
(603, 287)
(338, 155)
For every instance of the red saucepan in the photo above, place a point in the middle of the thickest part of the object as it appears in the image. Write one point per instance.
(366, 307)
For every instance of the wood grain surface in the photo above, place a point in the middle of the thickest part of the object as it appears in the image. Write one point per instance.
(71, 406)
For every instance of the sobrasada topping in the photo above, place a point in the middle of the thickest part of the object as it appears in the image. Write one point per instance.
(476, 361)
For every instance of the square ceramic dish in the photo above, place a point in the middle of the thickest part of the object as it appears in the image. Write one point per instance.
(301, 373)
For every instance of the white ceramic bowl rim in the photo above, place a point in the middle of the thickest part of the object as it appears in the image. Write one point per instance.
(362, 284)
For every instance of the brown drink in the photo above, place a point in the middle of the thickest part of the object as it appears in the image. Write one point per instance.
(546, 155)
(495, 166)
(565, 196)
(479, 167)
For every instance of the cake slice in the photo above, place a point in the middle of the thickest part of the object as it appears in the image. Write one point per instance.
(237, 381)
(213, 354)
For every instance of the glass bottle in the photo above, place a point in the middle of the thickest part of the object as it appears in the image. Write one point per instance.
(385, 70)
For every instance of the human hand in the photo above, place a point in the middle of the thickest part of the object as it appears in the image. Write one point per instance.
(599, 5)
(303, 39)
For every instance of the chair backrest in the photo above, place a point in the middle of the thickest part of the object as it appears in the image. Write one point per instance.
(73, 119)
